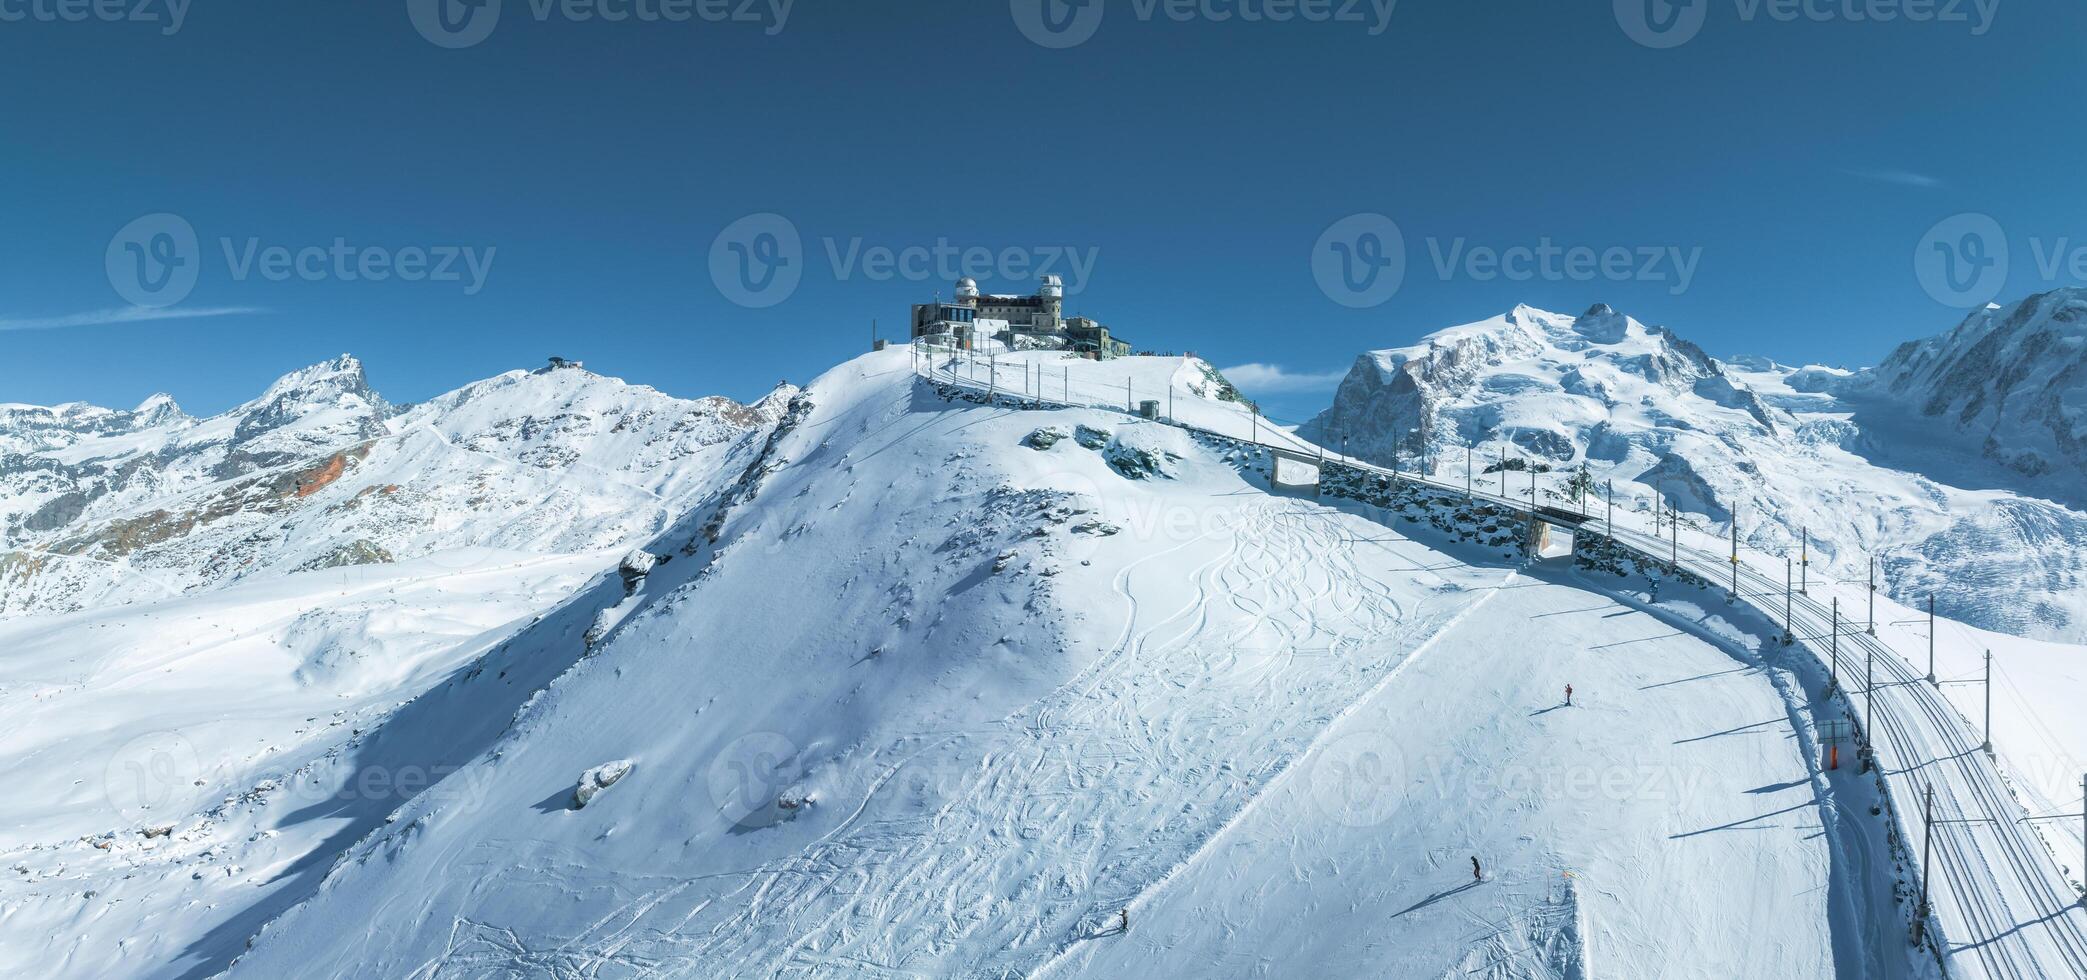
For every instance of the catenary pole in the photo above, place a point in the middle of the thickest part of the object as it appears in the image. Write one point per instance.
(1927, 861)
(1835, 684)
(1873, 595)
(1735, 552)
(1989, 703)
(1789, 578)
(1804, 566)
(1931, 638)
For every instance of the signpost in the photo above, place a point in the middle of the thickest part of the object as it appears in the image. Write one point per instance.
(1834, 733)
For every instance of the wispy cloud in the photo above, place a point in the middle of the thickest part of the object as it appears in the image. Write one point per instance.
(121, 314)
(1902, 178)
(1274, 379)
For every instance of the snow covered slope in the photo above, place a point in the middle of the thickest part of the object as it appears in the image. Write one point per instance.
(1788, 451)
(100, 507)
(938, 688)
(260, 595)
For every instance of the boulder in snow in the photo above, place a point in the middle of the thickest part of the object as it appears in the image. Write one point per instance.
(1044, 438)
(599, 778)
(1091, 437)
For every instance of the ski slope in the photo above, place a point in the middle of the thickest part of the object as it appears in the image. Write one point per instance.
(1665, 825)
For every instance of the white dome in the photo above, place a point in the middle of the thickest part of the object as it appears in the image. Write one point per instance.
(967, 288)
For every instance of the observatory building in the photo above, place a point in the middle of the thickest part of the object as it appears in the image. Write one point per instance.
(1033, 322)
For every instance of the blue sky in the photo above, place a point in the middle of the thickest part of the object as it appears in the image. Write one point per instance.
(1791, 167)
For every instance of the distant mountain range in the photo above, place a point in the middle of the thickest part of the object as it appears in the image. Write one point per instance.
(1959, 462)
(99, 506)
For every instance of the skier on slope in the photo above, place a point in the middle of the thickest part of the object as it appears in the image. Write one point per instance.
(1568, 695)
(1476, 873)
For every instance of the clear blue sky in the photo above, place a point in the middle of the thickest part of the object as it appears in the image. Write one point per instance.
(1198, 162)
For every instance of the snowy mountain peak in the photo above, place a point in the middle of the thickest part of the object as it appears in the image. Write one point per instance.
(160, 409)
(2012, 380)
(327, 382)
(1603, 325)
(321, 472)
(1577, 377)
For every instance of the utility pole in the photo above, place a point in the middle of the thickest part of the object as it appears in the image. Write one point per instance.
(1674, 542)
(1873, 595)
(1989, 703)
(1789, 578)
(1927, 859)
(1804, 568)
(1835, 683)
(1735, 553)
(1931, 641)
(1468, 448)
(1128, 405)
(1610, 532)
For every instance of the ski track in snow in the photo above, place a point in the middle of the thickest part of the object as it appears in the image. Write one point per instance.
(1203, 700)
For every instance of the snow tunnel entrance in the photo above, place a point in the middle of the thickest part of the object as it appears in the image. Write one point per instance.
(1293, 473)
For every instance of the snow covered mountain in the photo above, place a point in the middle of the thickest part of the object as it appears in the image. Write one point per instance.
(924, 686)
(100, 507)
(1789, 451)
(204, 611)
(2012, 381)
